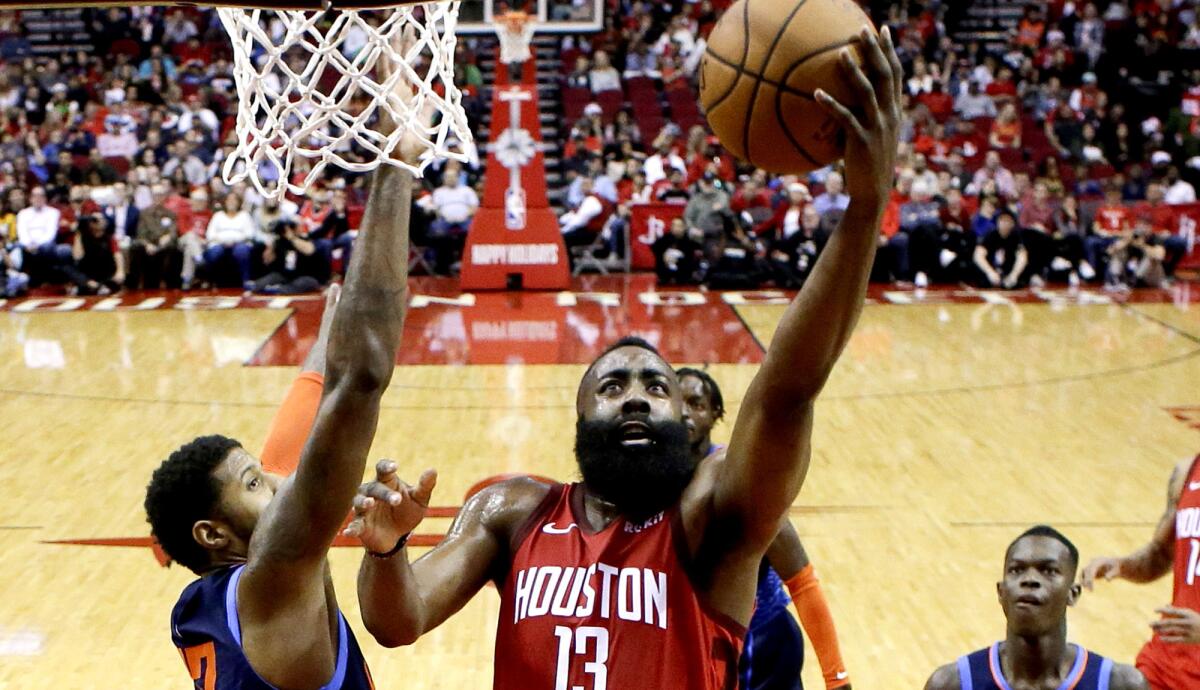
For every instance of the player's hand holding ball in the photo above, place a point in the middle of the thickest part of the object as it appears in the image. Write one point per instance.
(871, 137)
(387, 509)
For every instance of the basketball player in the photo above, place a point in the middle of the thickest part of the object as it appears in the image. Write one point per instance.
(1037, 587)
(643, 575)
(263, 613)
(515, 28)
(1171, 659)
(773, 654)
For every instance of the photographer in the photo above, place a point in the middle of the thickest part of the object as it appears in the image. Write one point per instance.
(99, 267)
(1136, 258)
(294, 265)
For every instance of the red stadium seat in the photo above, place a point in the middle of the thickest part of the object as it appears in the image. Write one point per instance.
(126, 46)
(119, 164)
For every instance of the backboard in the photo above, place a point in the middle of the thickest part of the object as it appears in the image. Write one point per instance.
(553, 16)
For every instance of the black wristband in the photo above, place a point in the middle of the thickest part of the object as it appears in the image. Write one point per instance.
(395, 549)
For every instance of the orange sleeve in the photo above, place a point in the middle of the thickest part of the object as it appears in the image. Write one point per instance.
(289, 430)
(818, 625)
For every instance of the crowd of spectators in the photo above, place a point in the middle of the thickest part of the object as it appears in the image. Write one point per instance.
(1055, 156)
(110, 169)
(1058, 155)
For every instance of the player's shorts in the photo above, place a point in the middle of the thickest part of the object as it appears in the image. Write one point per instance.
(1170, 666)
(772, 656)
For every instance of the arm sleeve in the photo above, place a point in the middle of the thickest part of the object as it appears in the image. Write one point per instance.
(289, 429)
(818, 624)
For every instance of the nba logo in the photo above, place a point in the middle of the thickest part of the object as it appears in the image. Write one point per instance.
(514, 208)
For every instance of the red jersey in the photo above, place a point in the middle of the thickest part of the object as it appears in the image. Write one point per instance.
(1177, 666)
(609, 609)
(1112, 219)
(1187, 542)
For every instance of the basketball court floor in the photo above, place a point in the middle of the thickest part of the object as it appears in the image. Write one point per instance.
(954, 421)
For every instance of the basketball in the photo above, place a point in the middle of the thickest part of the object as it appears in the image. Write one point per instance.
(765, 59)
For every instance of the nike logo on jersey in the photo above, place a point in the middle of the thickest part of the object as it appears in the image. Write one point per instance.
(1193, 486)
(549, 528)
(842, 675)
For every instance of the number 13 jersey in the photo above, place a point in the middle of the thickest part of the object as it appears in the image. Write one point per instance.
(607, 610)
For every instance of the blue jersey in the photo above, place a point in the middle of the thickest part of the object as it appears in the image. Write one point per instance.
(206, 629)
(981, 671)
(770, 599)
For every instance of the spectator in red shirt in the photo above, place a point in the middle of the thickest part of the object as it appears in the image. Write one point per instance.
(1086, 96)
(957, 241)
(314, 210)
(1163, 222)
(939, 103)
(1003, 89)
(891, 259)
(1112, 220)
(752, 201)
(673, 188)
(1160, 214)
(1036, 221)
(1006, 129)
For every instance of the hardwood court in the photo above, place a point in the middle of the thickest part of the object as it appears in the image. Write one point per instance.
(947, 429)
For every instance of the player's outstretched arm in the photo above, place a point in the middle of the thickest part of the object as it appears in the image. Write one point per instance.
(945, 678)
(769, 449)
(1153, 560)
(308, 510)
(401, 601)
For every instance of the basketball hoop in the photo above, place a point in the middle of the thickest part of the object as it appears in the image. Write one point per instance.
(312, 84)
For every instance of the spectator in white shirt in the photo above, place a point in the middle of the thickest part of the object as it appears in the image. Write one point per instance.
(580, 226)
(37, 231)
(118, 140)
(122, 216)
(603, 76)
(182, 157)
(231, 232)
(1179, 191)
(178, 28)
(974, 103)
(199, 117)
(663, 158)
(993, 171)
(602, 184)
(453, 205)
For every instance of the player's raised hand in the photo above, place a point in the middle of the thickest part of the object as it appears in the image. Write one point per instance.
(872, 136)
(403, 94)
(1177, 625)
(1105, 567)
(387, 509)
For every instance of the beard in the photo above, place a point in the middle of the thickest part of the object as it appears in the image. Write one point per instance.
(639, 480)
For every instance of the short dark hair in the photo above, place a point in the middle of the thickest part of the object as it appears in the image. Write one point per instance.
(715, 399)
(183, 491)
(1050, 532)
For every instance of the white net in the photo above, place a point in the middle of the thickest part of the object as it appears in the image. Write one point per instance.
(311, 87)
